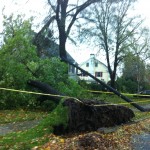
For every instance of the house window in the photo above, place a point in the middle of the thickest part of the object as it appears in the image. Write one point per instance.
(96, 64)
(87, 64)
(98, 74)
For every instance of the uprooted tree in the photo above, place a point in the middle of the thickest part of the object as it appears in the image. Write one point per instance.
(83, 115)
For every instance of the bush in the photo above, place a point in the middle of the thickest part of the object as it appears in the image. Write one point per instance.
(126, 85)
(72, 88)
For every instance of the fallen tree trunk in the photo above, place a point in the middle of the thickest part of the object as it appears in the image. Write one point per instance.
(47, 89)
(106, 86)
(86, 115)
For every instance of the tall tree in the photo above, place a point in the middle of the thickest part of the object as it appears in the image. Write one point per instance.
(140, 44)
(65, 13)
(147, 76)
(136, 59)
(135, 70)
(111, 29)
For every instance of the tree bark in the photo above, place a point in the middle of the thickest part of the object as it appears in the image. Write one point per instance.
(46, 89)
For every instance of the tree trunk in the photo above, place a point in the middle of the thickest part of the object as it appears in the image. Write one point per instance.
(46, 89)
(112, 82)
(62, 46)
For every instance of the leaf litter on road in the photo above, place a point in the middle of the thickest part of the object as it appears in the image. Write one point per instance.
(119, 139)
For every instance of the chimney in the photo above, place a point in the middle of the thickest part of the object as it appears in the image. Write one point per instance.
(91, 64)
(92, 55)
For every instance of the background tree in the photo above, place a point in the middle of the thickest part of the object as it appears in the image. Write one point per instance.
(139, 44)
(112, 28)
(135, 60)
(147, 84)
(134, 74)
(16, 54)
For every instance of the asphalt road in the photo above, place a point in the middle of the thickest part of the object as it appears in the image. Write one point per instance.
(141, 142)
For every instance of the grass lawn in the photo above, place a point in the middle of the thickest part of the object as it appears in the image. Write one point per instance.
(19, 140)
(8, 116)
(40, 134)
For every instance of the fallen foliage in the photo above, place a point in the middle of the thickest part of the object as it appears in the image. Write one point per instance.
(120, 139)
(12, 116)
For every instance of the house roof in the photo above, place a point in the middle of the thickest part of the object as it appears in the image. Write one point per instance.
(95, 60)
(53, 51)
(48, 47)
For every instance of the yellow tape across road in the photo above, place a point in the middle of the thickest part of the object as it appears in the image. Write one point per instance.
(36, 93)
(29, 92)
(121, 93)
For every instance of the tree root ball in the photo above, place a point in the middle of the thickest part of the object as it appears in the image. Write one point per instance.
(89, 115)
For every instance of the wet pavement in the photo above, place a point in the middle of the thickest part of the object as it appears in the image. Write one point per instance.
(19, 126)
(141, 142)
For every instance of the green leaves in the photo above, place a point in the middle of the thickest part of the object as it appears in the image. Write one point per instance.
(19, 62)
(16, 53)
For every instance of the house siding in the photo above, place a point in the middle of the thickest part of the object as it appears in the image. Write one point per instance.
(96, 68)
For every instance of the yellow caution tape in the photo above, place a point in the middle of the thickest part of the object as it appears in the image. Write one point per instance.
(125, 103)
(121, 93)
(36, 93)
(29, 92)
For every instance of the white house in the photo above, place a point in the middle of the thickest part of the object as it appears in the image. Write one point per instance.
(96, 68)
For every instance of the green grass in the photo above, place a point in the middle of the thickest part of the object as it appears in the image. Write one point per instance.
(141, 115)
(8, 116)
(114, 99)
(36, 136)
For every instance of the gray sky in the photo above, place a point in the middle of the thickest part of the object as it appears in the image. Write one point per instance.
(36, 8)
(39, 9)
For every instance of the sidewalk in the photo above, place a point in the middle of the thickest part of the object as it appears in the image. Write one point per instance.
(19, 126)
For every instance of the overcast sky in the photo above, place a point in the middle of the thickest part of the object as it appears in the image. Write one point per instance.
(39, 9)
(36, 8)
